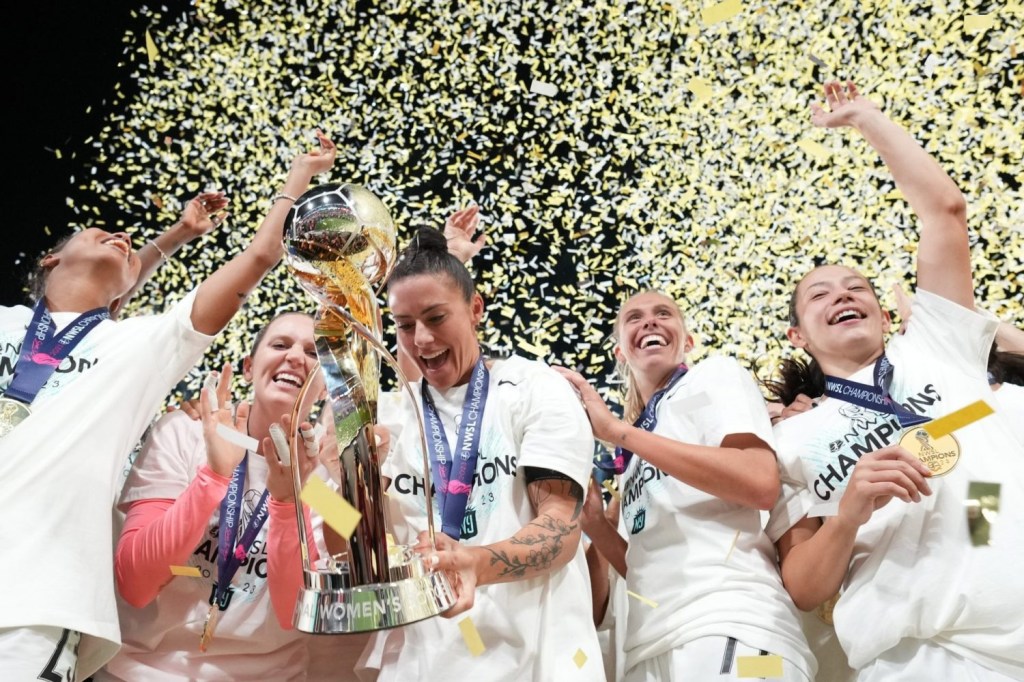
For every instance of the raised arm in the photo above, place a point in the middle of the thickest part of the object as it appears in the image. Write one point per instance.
(223, 292)
(201, 215)
(943, 258)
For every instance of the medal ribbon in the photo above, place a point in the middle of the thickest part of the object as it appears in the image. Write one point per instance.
(230, 554)
(453, 490)
(875, 397)
(647, 420)
(42, 350)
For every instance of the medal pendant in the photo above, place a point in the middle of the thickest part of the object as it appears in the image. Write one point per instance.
(208, 627)
(940, 455)
(12, 413)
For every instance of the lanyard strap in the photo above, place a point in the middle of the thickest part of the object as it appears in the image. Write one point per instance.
(43, 350)
(229, 553)
(647, 420)
(875, 397)
(453, 488)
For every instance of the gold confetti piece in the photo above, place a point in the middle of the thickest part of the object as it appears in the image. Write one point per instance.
(579, 658)
(154, 54)
(893, 194)
(982, 505)
(186, 571)
(976, 23)
(650, 602)
(700, 87)
(471, 636)
(732, 546)
(814, 149)
(335, 510)
(435, 48)
(759, 666)
(721, 11)
(937, 428)
(611, 489)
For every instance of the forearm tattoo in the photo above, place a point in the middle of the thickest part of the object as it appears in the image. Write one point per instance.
(544, 536)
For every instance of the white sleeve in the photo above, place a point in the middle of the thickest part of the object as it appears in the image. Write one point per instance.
(960, 337)
(795, 499)
(726, 402)
(556, 431)
(167, 462)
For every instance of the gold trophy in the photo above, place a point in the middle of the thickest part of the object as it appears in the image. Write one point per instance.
(340, 242)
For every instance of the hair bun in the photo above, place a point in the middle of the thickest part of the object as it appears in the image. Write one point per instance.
(428, 240)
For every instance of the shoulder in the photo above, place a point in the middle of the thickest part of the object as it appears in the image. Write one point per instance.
(518, 372)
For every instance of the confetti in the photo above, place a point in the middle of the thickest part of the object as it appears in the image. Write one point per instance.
(759, 666)
(815, 149)
(702, 89)
(335, 510)
(151, 51)
(186, 571)
(732, 545)
(976, 23)
(611, 489)
(624, 172)
(541, 88)
(937, 428)
(721, 11)
(471, 636)
(650, 602)
(579, 658)
(237, 438)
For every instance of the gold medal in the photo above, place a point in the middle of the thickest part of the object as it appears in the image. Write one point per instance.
(938, 454)
(826, 608)
(208, 627)
(12, 413)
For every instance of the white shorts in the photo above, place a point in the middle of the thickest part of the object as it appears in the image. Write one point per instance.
(710, 659)
(913, 660)
(38, 653)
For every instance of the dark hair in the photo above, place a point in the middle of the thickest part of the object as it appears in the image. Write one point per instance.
(427, 254)
(796, 376)
(35, 280)
(1005, 367)
(258, 338)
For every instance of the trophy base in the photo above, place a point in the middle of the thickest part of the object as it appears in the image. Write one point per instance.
(328, 606)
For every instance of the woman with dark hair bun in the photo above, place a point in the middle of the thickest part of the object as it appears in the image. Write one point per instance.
(510, 453)
(873, 504)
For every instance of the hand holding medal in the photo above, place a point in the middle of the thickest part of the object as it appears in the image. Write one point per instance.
(880, 476)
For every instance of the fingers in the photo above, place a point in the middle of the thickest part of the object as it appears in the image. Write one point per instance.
(191, 408)
(223, 384)
(241, 416)
(280, 444)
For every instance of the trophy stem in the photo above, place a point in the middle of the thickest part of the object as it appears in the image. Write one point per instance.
(299, 410)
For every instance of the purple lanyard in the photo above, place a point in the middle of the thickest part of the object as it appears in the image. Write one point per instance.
(42, 350)
(453, 493)
(229, 554)
(647, 420)
(875, 397)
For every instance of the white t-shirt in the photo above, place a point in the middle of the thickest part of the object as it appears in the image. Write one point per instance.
(161, 640)
(705, 562)
(1010, 404)
(532, 628)
(913, 572)
(60, 470)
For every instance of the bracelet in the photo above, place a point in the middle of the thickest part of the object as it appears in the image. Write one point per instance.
(282, 195)
(163, 256)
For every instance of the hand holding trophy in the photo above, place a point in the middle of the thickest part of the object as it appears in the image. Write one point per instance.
(339, 243)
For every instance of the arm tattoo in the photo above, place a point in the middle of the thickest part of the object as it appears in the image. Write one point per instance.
(544, 536)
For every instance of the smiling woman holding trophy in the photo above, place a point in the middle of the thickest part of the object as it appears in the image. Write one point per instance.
(509, 452)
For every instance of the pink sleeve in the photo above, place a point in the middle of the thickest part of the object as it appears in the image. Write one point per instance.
(284, 560)
(160, 533)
